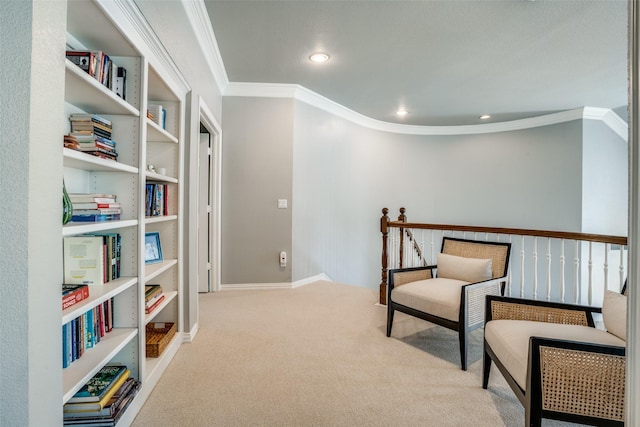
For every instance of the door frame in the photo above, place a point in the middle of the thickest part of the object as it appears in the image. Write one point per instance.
(213, 127)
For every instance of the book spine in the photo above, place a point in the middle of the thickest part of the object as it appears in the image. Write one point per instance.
(75, 297)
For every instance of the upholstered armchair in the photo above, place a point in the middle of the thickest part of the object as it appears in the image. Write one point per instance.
(452, 292)
(558, 364)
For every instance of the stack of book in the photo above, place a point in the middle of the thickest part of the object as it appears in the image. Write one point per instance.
(153, 296)
(94, 207)
(86, 331)
(157, 114)
(100, 66)
(103, 400)
(92, 135)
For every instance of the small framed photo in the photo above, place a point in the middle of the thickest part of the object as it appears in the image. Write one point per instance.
(152, 248)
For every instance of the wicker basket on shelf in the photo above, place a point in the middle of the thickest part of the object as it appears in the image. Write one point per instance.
(158, 336)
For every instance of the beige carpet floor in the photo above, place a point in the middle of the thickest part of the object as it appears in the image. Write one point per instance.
(318, 355)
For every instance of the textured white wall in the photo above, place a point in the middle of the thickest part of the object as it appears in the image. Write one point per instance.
(32, 39)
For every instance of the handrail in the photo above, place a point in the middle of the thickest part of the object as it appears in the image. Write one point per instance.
(406, 227)
(600, 238)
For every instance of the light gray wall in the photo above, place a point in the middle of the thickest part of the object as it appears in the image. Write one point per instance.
(256, 172)
(605, 186)
(345, 174)
(32, 41)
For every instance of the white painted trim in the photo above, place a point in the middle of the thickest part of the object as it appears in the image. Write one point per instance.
(282, 285)
(187, 337)
(199, 18)
(158, 52)
(269, 90)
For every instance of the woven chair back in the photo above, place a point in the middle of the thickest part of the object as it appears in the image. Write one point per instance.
(497, 251)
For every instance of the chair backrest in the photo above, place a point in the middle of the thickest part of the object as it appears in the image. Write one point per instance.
(499, 252)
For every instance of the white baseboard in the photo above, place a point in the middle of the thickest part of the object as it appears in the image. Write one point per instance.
(282, 285)
(187, 337)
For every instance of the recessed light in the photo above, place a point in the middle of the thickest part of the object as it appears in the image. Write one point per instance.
(402, 113)
(319, 57)
(484, 117)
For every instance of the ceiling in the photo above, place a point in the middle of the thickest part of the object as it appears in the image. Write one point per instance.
(445, 61)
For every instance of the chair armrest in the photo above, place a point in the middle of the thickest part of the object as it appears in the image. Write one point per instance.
(473, 298)
(499, 307)
(401, 276)
(579, 378)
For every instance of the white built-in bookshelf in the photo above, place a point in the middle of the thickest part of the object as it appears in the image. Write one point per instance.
(110, 26)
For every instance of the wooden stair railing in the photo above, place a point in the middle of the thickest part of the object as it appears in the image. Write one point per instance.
(406, 232)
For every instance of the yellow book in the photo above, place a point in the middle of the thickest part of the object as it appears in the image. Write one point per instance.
(96, 406)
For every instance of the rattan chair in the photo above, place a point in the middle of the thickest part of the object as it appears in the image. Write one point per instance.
(556, 362)
(454, 297)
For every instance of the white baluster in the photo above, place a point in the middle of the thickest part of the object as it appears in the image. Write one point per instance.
(535, 267)
(510, 272)
(590, 270)
(621, 268)
(548, 269)
(576, 271)
(522, 268)
(606, 266)
(562, 264)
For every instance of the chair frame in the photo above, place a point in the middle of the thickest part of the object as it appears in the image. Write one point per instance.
(537, 387)
(467, 322)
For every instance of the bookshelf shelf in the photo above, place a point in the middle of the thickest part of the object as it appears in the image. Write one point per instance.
(88, 94)
(158, 219)
(154, 270)
(76, 375)
(97, 295)
(156, 134)
(74, 228)
(168, 297)
(151, 176)
(79, 160)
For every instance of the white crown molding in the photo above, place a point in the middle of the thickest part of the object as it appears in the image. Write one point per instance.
(309, 97)
(132, 14)
(199, 18)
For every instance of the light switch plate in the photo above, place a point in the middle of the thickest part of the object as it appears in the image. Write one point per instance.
(282, 203)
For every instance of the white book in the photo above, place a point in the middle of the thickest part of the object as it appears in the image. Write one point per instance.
(84, 260)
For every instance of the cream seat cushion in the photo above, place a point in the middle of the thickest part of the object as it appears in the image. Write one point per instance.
(509, 340)
(440, 296)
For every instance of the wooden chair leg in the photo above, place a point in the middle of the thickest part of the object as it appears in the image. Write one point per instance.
(463, 349)
(486, 369)
(390, 312)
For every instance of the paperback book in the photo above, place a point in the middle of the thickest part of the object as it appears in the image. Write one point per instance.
(99, 386)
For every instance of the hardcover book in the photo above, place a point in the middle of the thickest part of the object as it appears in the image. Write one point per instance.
(73, 294)
(97, 387)
(83, 260)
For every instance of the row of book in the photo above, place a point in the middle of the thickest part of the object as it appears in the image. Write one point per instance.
(102, 68)
(86, 331)
(157, 114)
(156, 200)
(91, 134)
(94, 207)
(153, 296)
(92, 259)
(103, 399)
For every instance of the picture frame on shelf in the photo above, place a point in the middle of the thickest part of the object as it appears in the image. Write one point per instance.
(152, 248)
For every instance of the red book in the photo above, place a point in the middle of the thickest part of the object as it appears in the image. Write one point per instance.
(73, 294)
(154, 305)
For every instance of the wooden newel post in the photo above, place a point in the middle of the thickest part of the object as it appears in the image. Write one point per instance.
(401, 218)
(384, 229)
